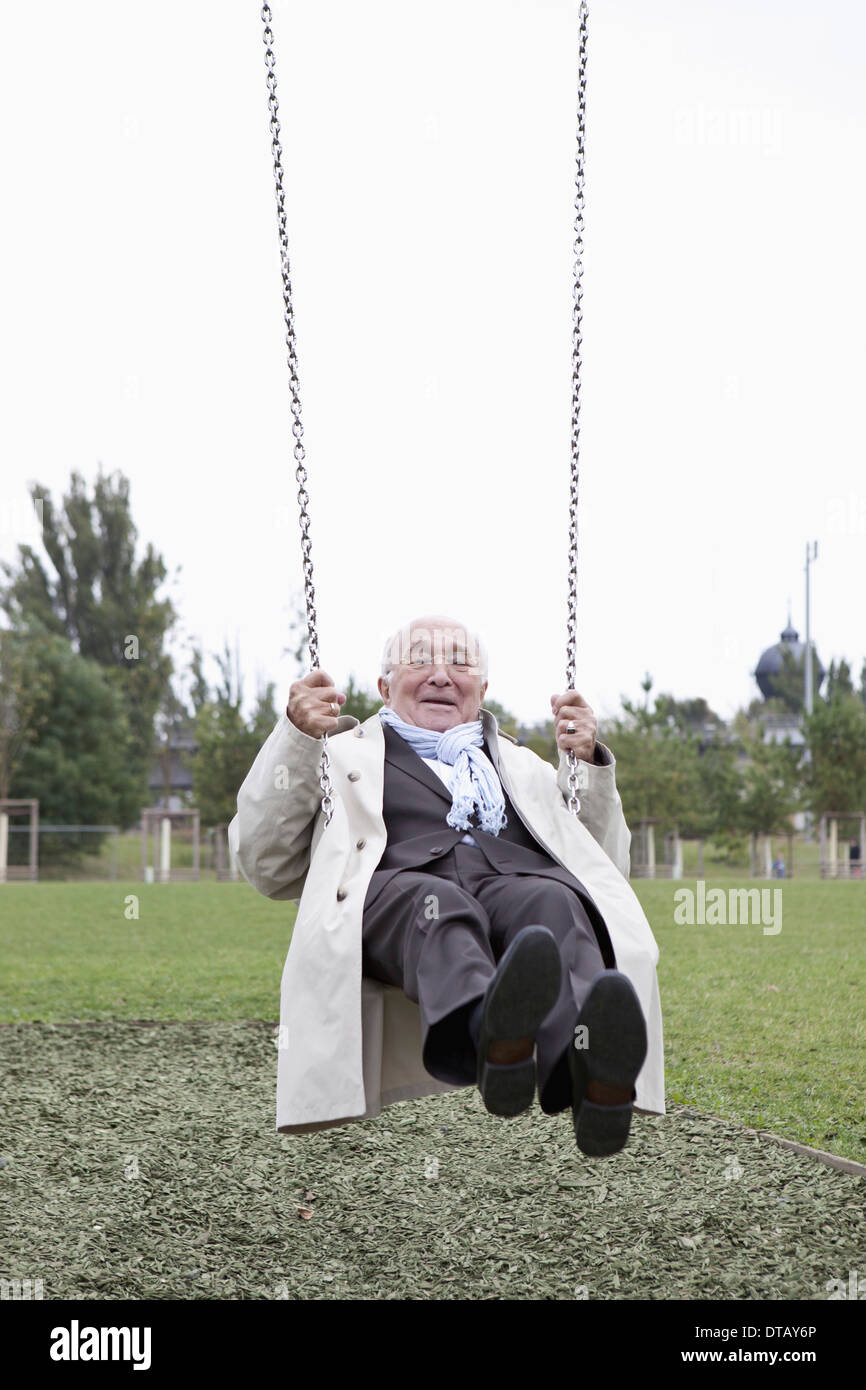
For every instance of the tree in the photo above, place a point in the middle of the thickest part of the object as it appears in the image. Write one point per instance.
(98, 597)
(198, 683)
(689, 716)
(657, 763)
(360, 702)
(771, 786)
(226, 744)
(839, 680)
(835, 775)
(79, 767)
(21, 686)
(719, 813)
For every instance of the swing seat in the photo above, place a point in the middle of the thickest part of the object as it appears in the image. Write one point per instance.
(393, 1065)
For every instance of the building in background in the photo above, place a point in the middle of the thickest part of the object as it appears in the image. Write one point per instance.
(170, 780)
(769, 674)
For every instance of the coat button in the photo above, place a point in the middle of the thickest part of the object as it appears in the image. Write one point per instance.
(360, 843)
(341, 894)
(359, 732)
(437, 849)
(354, 776)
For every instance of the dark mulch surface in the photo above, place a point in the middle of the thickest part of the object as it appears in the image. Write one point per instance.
(141, 1161)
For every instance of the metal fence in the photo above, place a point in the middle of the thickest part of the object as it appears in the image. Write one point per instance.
(56, 859)
(105, 853)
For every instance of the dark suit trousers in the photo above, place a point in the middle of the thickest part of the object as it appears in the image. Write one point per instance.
(438, 932)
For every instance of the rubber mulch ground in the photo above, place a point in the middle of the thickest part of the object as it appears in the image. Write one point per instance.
(141, 1161)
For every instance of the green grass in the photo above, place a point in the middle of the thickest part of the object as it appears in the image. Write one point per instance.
(768, 1031)
(196, 951)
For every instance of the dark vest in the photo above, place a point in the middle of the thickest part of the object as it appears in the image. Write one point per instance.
(415, 804)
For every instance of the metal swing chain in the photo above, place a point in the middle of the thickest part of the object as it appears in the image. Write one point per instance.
(577, 315)
(297, 427)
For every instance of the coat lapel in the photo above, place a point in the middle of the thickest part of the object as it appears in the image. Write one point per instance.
(399, 753)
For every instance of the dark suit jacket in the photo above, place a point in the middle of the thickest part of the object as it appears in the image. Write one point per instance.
(414, 806)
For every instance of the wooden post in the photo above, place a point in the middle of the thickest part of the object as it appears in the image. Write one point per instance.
(768, 857)
(824, 845)
(195, 845)
(651, 851)
(165, 850)
(220, 853)
(4, 844)
(834, 846)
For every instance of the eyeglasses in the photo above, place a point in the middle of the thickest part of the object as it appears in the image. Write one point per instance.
(422, 657)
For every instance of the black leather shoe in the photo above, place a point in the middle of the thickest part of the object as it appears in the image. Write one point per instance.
(517, 1001)
(616, 1046)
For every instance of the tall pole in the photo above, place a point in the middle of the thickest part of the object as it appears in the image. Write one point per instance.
(809, 694)
(811, 555)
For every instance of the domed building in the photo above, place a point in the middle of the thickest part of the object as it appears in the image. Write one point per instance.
(772, 661)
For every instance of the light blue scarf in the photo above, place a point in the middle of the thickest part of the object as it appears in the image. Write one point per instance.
(476, 786)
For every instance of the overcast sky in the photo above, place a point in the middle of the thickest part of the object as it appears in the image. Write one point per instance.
(429, 153)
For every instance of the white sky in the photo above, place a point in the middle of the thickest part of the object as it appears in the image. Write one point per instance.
(429, 154)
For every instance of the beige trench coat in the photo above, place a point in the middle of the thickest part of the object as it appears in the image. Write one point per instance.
(348, 1046)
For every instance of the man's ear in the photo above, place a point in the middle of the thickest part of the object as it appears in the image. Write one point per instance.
(483, 692)
(383, 688)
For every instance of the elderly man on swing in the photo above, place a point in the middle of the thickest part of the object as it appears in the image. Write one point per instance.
(470, 912)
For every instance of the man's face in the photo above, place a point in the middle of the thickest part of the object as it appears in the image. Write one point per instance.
(435, 686)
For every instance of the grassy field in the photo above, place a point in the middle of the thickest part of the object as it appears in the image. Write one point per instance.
(139, 1158)
(196, 951)
(770, 1030)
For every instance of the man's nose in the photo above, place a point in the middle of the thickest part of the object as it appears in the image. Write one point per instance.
(439, 674)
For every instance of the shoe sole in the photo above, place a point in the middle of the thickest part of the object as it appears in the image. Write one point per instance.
(519, 997)
(617, 1048)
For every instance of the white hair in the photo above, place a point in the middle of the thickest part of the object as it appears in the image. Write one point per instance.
(398, 644)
